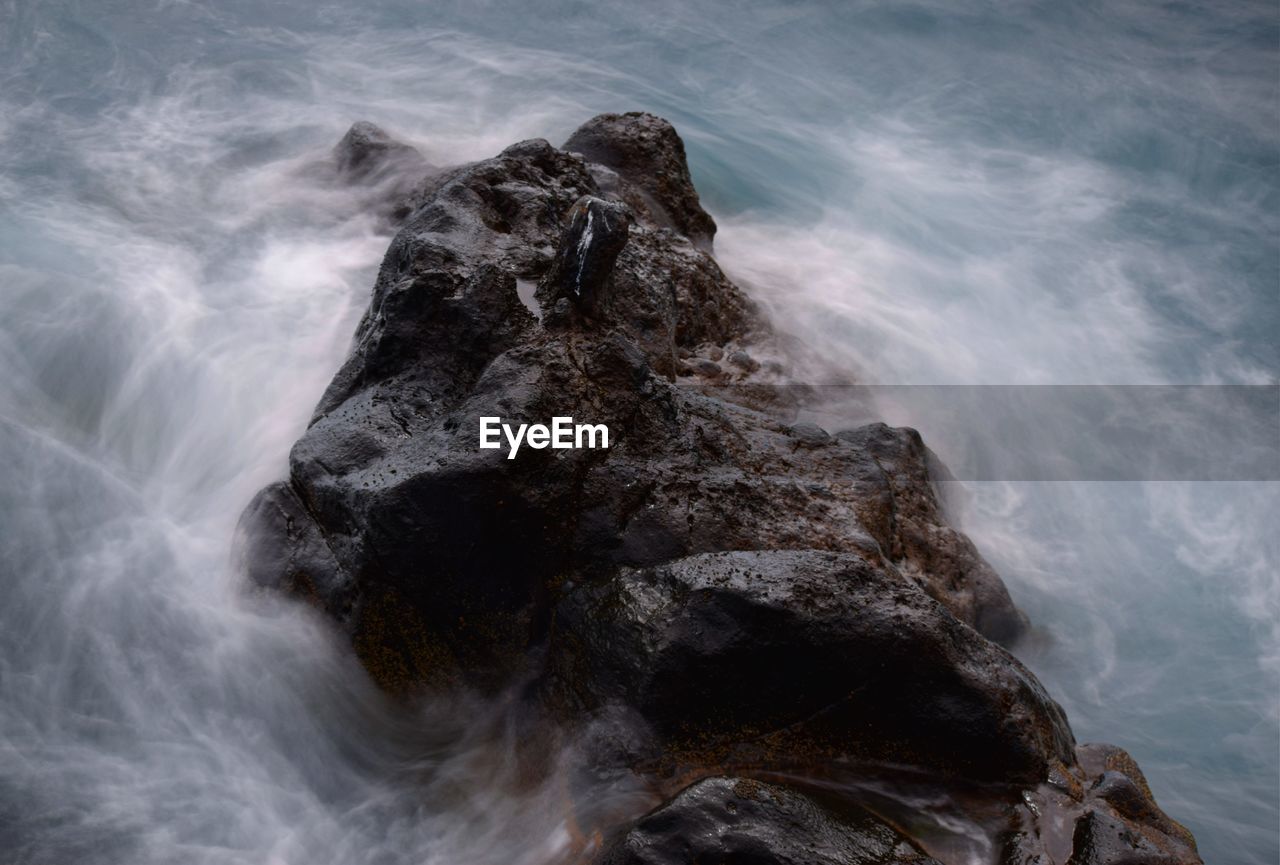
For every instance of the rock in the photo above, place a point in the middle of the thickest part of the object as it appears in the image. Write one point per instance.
(390, 467)
(384, 172)
(743, 361)
(810, 434)
(486, 224)
(721, 586)
(915, 534)
(747, 822)
(705, 368)
(584, 262)
(805, 657)
(1117, 781)
(1100, 839)
(367, 150)
(648, 156)
(1099, 811)
(303, 566)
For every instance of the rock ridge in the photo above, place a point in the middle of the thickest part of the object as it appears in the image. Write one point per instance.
(725, 590)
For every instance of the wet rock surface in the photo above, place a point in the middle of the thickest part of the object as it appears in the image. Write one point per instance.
(746, 822)
(741, 586)
(1097, 810)
(752, 657)
(578, 278)
(647, 158)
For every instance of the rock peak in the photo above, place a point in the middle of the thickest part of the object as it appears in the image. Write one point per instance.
(724, 587)
(649, 157)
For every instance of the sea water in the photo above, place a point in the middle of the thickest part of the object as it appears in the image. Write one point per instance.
(959, 194)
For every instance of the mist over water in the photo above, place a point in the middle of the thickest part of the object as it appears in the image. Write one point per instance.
(958, 193)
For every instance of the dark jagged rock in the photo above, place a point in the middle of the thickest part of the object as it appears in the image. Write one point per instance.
(390, 466)
(1120, 783)
(848, 620)
(746, 822)
(915, 535)
(1100, 811)
(810, 434)
(383, 170)
(584, 263)
(432, 324)
(653, 176)
(743, 657)
(1100, 839)
(304, 566)
(367, 150)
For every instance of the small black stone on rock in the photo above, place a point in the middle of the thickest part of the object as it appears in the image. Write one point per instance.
(584, 262)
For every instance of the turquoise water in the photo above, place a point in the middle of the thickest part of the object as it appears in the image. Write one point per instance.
(958, 193)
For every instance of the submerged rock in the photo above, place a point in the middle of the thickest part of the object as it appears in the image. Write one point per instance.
(741, 587)
(367, 150)
(386, 169)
